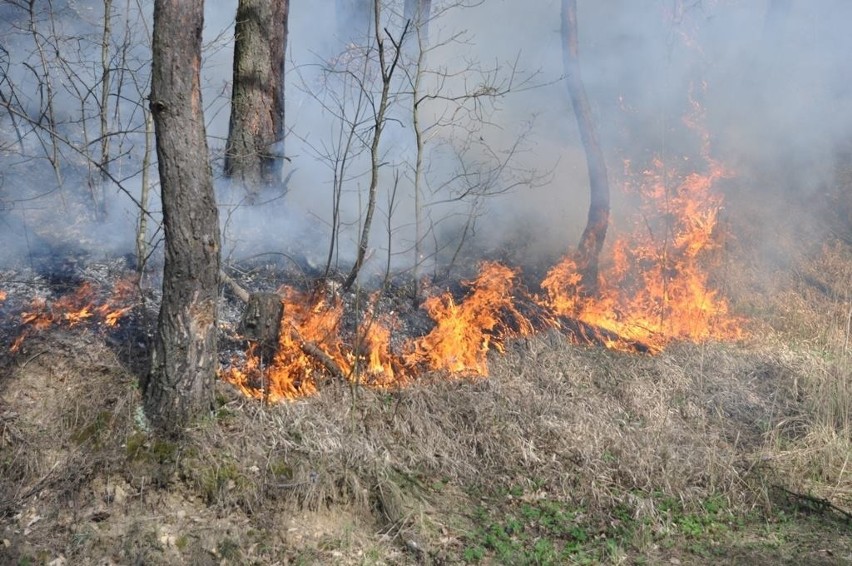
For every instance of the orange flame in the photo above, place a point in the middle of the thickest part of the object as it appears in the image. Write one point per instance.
(309, 340)
(654, 288)
(465, 331)
(77, 308)
(383, 367)
(309, 322)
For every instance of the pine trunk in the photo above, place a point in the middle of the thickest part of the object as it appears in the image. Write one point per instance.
(254, 152)
(184, 364)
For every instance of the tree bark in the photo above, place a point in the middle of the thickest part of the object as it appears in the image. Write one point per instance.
(254, 153)
(184, 362)
(261, 322)
(592, 240)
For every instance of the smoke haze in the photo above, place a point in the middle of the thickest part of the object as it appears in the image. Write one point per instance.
(772, 79)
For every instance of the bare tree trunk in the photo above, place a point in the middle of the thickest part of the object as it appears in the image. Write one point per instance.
(142, 226)
(254, 153)
(386, 68)
(184, 363)
(105, 87)
(591, 242)
(418, 11)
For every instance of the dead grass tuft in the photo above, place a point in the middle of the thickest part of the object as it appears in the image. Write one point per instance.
(586, 425)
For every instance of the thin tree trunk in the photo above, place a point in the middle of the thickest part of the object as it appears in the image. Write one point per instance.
(592, 240)
(105, 87)
(421, 10)
(184, 362)
(142, 227)
(387, 70)
(254, 153)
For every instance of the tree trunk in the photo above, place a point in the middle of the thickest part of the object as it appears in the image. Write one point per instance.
(184, 362)
(254, 153)
(261, 322)
(386, 68)
(591, 242)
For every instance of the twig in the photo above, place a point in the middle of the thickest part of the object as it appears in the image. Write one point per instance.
(313, 350)
(818, 502)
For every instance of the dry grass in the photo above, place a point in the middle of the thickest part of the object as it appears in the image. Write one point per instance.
(366, 476)
(811, 451)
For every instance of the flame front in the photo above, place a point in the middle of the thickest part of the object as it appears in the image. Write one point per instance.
(656, 286)
(309, 329)
(653, 289)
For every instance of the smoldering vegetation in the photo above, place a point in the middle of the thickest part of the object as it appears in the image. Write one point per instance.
(504, 173)
(629, 448)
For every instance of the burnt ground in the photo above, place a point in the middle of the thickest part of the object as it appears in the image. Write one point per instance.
(704, 454)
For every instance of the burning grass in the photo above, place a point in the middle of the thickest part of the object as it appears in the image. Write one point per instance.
(584, 434)
(89, 303)
(654, 290)
(607, 444)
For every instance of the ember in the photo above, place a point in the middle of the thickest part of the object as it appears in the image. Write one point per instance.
(82, 306)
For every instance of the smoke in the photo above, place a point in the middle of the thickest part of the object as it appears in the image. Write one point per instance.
(505, 175)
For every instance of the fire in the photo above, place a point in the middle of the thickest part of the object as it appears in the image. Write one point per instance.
(309, 330)
(656, 286)
(373, 343)
(80, 307)
(310, 343)
(464, 332)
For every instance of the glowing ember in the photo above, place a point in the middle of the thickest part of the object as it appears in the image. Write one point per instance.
(2, 295)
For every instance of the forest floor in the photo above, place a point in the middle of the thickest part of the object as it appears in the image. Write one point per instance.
(715, 453)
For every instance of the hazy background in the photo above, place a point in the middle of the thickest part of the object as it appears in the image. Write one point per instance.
(774, 86)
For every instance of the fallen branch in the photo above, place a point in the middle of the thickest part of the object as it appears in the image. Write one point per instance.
(235, 287)
(328, 363)
(816, 503)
